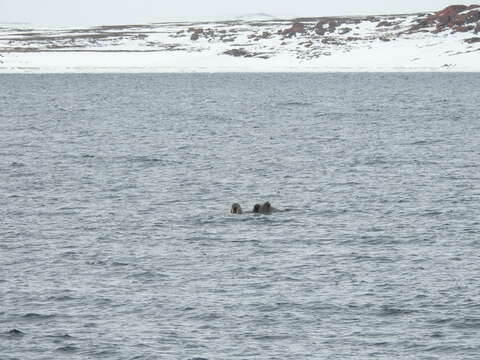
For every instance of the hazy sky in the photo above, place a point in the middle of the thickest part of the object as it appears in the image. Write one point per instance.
(98, 12)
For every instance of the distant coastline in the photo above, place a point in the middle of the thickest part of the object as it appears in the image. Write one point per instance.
(446, 40)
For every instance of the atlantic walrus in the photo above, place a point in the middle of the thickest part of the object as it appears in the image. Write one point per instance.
(265, 208)
(236, 209)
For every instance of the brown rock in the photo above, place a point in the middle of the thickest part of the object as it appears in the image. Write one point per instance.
(452, 9)
(447, 15)
(319, 27)
(195, 33)
(297, 28)
(385, 24)
(332, 25)
(422, 23)
(468, 18)
(472, 40)
(449, 18)
(320, 31)
(238, 53)
(463, 28)
(331, 41)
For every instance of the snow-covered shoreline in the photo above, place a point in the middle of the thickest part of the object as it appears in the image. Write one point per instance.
(389, 43)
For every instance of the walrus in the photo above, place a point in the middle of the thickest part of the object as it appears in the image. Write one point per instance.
(236, 209)
(265, 208)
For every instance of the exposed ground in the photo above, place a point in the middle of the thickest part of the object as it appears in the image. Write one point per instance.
(449, 38)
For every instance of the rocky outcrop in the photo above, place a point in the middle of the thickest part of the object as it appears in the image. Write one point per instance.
(297, 28)
(458, 18)
(344, 30)
(246, 54)
(327, 25)
(464, 28)
(199, 32)
(238, 53)
(472, 40)
(385, 24)
(196, 32)
(319, 29)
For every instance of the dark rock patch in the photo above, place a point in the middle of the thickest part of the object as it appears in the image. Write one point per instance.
(385, 24)
(296, 28)
(472, 40)
(238, 53)
(344, 30)
(464, 28)
(196, 32)
(331, 41)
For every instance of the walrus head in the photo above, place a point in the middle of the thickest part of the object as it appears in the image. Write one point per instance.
(266, 208)
(256, 208)
(236, 208)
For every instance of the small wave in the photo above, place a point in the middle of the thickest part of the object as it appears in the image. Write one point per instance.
(15, 333)
(146, 159)
(145, 275)
(424, 142)
(272, 337)
(431, 213)
(151, 160)
(294, 103)
(377, 161)
(441, 321)
(468, 323)
(62, 298)
(63, 336)
(22, 175)
(207, 317)
(118, 263)
(387, 310)
(96, 262)
(348, 183)
(68, 348)
(17, 164)
(34, 316)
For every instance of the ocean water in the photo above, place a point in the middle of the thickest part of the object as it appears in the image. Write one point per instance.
(116, 240)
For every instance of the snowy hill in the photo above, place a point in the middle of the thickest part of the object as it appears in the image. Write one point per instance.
(447, 40)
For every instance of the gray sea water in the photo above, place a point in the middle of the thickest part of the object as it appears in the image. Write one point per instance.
(116, 240)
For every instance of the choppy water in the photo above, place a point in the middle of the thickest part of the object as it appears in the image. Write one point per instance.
(116, 240)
